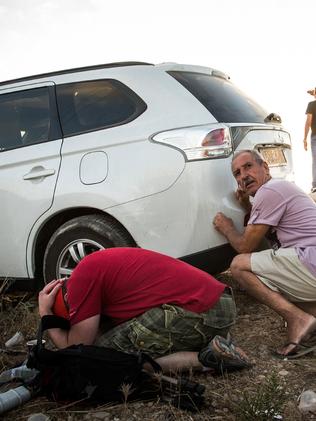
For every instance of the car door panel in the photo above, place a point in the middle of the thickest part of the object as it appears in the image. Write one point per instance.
(28, 172)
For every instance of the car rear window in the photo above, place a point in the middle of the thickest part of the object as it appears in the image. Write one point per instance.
(224, 100)
(94, 105)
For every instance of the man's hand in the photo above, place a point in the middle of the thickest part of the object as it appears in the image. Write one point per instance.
(246, 242)
(46, 297)
(243, 199)
(223, 224)
(305, 144)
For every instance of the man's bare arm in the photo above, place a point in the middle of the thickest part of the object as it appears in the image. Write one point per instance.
(308, 124)
(84, 332)
(245, 242)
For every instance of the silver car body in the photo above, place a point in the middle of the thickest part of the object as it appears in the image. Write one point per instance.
(139, 173)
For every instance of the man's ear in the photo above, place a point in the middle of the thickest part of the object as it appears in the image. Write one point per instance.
(266, 167)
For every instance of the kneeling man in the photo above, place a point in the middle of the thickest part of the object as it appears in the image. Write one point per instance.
(154, 303)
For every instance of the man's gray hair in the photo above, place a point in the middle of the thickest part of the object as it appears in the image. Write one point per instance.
(255, 155)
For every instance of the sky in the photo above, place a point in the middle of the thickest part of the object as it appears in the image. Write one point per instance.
(267, 47)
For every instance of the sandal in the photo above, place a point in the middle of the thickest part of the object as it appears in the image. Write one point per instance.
(310, 341)
(298, 351)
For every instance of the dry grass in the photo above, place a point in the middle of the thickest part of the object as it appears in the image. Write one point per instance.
(258, 330)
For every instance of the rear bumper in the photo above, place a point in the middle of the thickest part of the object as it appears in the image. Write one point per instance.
(213, 260)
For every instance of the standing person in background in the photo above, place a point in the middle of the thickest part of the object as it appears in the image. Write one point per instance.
(310, 124)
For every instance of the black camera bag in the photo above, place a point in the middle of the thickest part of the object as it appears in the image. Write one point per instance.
(82, 372)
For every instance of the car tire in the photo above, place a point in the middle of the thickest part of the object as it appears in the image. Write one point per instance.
(77, 238)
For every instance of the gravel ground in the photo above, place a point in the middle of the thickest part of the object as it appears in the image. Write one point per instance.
(271, 384)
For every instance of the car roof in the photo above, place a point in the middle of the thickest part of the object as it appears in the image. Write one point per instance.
(169, 66)
(76, 70)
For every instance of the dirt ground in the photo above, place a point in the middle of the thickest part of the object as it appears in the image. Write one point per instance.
(245, 395)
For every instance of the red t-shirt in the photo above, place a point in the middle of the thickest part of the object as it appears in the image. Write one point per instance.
(123, 283)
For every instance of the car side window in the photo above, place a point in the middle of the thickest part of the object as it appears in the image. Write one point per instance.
(26, 118)
(95, 105)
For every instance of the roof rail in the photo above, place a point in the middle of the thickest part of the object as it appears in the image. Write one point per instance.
(77, 69)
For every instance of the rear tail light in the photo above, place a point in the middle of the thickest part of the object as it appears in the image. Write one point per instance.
(199, 142)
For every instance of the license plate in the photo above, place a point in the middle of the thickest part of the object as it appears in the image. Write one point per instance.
(273, 156)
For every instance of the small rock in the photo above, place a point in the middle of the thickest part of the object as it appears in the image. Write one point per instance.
(307, 401)
(283, 373)
(263, 349)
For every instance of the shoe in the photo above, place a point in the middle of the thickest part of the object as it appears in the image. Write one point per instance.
(222, 355)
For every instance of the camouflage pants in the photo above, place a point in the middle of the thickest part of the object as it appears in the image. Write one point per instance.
(167, 329)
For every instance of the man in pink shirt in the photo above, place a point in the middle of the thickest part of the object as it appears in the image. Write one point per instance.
(283, 277)
(152, 303)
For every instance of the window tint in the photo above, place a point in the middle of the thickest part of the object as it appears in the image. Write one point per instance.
(25, 118)
(226, 102)
(94, 105)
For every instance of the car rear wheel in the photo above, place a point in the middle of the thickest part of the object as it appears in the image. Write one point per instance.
(76, 239)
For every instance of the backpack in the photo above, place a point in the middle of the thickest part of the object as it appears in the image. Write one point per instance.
(86, 371)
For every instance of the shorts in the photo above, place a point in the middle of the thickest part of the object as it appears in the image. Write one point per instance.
(167, 329)
(282, 271)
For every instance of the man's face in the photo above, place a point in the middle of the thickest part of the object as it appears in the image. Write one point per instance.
(249, 174)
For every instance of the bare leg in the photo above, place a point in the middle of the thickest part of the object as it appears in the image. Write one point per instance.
(179, 361)
(308, 307)
(299, 323)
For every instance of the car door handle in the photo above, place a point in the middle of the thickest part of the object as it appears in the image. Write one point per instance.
(38, 172)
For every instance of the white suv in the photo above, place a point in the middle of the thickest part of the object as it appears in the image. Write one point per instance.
(124, 154)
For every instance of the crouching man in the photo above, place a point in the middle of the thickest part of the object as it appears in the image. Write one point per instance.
(172, 311)
(283, 277)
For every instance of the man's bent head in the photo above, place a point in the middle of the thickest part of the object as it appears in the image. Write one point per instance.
(250, 171)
